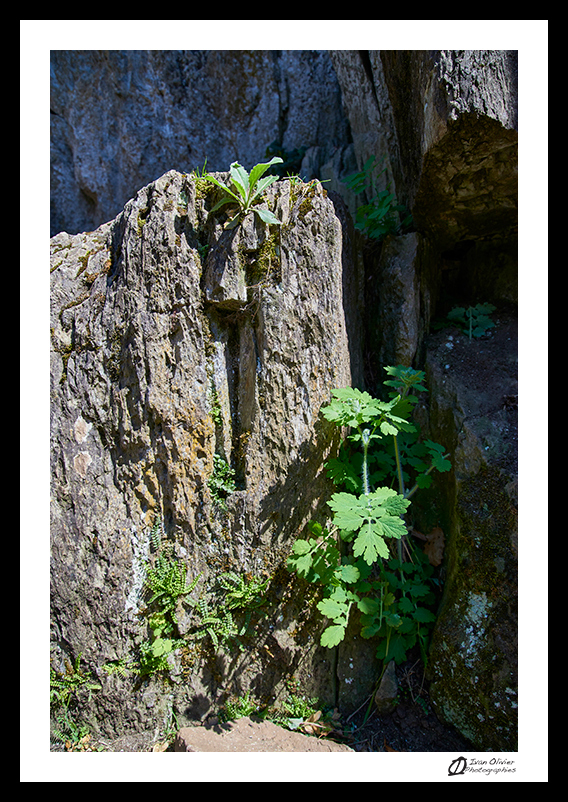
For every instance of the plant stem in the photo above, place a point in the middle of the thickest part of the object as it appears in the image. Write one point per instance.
(400, 487)
(398, 467)
(365, 436)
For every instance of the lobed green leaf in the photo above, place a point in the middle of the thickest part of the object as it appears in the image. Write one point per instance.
(332, 636)
(333, 609)
(370, 545)
(349, 573)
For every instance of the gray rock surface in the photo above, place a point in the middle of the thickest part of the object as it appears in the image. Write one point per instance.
(385, 697)
(446, 121)
(473, 657)
(162, 359)
(250, 735)
(174, 340)
(122, 118)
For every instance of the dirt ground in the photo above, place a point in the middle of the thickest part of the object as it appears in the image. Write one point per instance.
(411, 727)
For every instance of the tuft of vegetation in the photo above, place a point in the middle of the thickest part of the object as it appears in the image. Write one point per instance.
(228, 620)
(475, 320)
(239, 707)
(63, 689)
(364, 561)
(222, 481)
(166, 586)
(382, 214)
(246, 191)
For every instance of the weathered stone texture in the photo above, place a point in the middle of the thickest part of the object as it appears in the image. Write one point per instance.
(250, 735)
(159, 361)
(122, 118)
(174, 339)
(473, 657)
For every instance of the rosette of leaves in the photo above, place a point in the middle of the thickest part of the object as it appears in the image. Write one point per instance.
(246, 190)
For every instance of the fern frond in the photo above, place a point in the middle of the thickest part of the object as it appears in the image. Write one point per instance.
(156, 534)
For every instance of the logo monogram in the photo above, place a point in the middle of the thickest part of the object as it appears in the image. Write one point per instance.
(457, 766)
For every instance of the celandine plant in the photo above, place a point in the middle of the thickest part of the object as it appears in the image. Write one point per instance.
(364, 560)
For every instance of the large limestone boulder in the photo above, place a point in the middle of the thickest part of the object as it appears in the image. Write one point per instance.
(176, 343)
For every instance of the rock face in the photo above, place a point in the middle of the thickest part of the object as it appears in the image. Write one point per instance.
(121, 119)
(474, 648)
(175, 343)
(180, 347)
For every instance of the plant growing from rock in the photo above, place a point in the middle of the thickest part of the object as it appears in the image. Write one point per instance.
(224, 615)
(359, 560)
(228, 620)
(381, 215)
(238, 707)
(222, 481)
(246, 191)
(166, 585)
(63, 688)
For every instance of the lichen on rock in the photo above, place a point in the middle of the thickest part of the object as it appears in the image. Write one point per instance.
(161, 363)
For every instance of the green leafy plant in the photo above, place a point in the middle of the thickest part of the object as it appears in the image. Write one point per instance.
(246, 190)
(381, 215)
(228, 619)
(241, 593)
(166, 582)
(474, 320)
(165, 585)
(359, 559)
(222, 480)
(63, 689)
(294, 711)
(120, 667)
(219, 625)
(238, 707)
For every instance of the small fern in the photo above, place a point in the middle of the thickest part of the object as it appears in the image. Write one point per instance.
(156, 535)
(166, 578)
(167, 582)
(219, 625)
(63, 689)
(117, 667)
(241, 594)
(238, 707)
